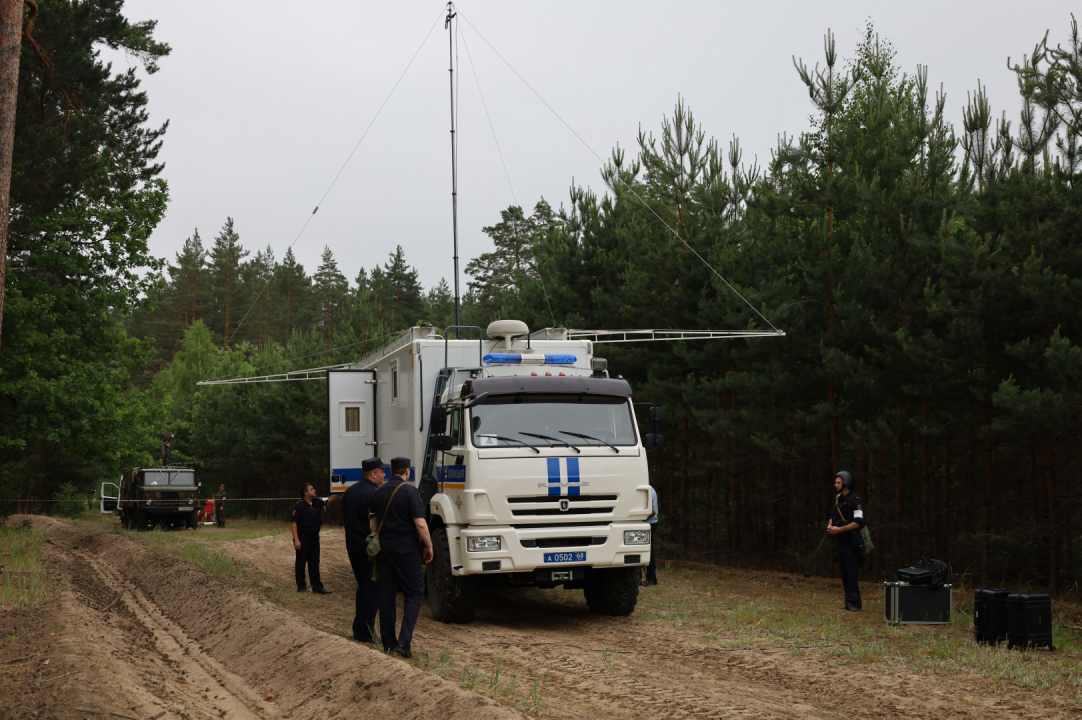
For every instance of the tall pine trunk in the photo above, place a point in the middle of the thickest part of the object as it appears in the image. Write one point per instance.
(11, 31)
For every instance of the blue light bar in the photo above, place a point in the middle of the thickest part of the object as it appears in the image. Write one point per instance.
(520, 359)
(560, 359)
(503, 358)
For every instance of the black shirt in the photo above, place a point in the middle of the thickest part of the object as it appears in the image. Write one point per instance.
(308, 517)
(848, 509)
(356, 509)
(403, 509)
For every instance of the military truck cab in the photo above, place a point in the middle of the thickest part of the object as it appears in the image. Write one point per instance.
(164, 496)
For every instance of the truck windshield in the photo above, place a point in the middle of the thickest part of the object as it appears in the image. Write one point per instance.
(168, 477)
(604, 417)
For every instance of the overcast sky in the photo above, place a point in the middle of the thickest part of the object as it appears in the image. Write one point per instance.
(265, 100)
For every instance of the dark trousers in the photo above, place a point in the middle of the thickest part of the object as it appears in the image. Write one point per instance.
(651, 569)
(308, 555)
(850, 559)
(367, 602)
(399, 568)
(219, 513)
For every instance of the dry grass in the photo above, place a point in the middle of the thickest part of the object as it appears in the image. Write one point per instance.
(741, 608)
(24, 581)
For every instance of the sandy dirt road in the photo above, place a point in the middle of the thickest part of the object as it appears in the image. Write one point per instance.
(149, 636)
(651, 669)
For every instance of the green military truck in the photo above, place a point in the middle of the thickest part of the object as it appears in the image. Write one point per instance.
(164, 496)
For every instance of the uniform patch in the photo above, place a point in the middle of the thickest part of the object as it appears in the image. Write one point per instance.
(858, 514)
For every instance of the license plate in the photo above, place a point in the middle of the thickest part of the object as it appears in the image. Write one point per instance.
(566, 557)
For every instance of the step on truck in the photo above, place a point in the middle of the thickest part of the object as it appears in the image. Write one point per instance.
(527, 455)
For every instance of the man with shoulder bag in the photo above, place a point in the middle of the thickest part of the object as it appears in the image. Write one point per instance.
(397, 519)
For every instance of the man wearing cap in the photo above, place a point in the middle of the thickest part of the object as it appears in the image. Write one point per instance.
(846, 521)
(356, 509)
(398, 517)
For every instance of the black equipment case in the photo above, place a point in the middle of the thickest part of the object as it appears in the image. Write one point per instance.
(915, 575)
(1029, 620)
(990, 615)
(916, 604)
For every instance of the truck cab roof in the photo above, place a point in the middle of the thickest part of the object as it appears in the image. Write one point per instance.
(514, 385)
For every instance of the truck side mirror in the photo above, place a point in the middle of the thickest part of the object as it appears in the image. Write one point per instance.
(439, 418)
(653, 441)
(442, 443)
(655, 420)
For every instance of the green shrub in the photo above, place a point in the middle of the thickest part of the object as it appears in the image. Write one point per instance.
(70, 503)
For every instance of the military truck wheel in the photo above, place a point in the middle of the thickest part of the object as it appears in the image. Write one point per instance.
(452, 599)
(613, 591)
(192, 520)
(141, 521)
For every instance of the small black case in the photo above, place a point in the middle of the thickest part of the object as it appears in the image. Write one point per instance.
(915, 575)
(990, 615)
(1029, 620)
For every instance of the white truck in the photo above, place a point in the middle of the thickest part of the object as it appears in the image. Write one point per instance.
(526, 453)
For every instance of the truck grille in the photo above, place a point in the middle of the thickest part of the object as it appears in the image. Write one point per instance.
(550, 505)
(555, 499)
(538, 512)
(563, 542)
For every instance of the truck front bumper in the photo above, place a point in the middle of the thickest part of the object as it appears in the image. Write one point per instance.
(525, 549)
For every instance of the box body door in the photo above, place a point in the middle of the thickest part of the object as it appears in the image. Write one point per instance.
(351, 416)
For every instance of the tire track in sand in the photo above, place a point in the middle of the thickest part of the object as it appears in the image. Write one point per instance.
(205, 688)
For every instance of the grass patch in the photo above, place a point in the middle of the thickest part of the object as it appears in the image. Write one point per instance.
(24, 581)
(740, 608)
(491, 682)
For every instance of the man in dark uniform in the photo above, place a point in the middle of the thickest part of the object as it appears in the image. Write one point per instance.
(219, 506)
(306, 519)
(845, 524)
(398, 517)
(356, 509)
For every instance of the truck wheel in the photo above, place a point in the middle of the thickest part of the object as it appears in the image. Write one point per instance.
(453, 599)
(140, 522)
(613, 591)
(192, 520)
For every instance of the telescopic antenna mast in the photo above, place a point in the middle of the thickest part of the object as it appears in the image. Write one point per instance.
(454, 160)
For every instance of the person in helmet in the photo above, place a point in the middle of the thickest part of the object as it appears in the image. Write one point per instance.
(845, 523)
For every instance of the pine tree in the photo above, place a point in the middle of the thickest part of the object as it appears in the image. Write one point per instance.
(293, 290)
(230, 296)
(330, 289)
(189, 281)
(258, 278)
(440, 305)
(397, 288)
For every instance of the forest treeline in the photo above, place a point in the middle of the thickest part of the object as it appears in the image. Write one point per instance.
(927, 278)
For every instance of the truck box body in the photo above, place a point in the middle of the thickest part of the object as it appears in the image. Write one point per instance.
(551, 506)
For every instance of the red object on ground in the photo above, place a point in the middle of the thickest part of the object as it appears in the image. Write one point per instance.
(207, 515)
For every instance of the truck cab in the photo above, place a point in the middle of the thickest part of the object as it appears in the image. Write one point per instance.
(541, 480)
(164, 496)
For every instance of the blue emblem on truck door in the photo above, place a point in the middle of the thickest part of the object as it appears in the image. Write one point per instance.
(556, 484)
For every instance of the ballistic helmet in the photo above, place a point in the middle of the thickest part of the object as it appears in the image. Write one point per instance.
(847, 478)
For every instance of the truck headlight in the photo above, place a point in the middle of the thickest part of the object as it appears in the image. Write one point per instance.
(191, 502)
(485, 543)
(636, 537)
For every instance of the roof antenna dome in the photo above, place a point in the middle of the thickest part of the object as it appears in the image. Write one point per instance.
(507, 331)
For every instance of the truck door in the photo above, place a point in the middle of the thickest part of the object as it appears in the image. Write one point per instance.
(109, 494)
(351, 408)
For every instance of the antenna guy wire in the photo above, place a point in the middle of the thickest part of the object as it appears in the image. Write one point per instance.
(621, 180)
